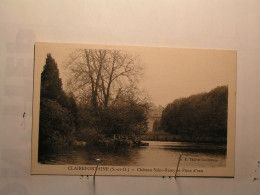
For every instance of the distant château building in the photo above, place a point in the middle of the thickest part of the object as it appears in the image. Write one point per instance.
(155, 114)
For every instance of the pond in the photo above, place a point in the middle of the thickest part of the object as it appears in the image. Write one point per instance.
(158, 153)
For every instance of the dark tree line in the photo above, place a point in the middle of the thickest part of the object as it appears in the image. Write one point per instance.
(201, 117)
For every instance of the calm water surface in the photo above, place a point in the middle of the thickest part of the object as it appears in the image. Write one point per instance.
(156, 154)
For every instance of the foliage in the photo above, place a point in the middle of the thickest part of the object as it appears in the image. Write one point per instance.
(57, 110)
(51, 84)
(127, 118)
(202, 115)
(56, 123)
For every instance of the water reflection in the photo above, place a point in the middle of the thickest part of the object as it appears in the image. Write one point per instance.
(156, 154)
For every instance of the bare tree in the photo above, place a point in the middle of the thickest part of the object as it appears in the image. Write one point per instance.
(102, 77)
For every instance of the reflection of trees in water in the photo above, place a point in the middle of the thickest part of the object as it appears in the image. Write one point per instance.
(203, 148)
(87, 156)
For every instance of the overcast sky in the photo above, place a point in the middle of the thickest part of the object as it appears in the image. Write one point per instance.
(168, 73)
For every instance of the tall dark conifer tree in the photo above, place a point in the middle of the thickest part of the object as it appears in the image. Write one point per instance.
(57, 125)
(51, 84)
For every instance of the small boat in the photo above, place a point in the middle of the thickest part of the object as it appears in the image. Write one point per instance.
(144, 144)
(140, 143)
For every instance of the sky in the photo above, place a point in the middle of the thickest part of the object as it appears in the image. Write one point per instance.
(169, 73)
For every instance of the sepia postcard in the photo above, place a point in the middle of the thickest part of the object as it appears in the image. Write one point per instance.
(136, 111)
